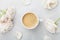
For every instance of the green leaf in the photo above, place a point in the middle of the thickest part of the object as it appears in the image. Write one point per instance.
(2, 12)
(57, 21)
(0, 15)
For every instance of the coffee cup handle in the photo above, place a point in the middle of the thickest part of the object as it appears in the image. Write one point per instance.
(41, 20)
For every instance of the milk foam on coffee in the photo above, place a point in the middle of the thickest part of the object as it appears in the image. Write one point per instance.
(29, 20)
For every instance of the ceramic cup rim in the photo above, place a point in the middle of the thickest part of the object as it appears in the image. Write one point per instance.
(35, 24)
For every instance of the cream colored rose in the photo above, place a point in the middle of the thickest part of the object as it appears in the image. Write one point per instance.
(51, 26)
(50, 4)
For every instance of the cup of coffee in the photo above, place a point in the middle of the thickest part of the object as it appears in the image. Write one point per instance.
(30, 20)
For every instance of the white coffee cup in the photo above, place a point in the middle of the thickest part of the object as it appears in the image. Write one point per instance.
(35, 24)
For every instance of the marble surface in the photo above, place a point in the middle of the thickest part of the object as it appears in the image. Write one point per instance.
(36, 6)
